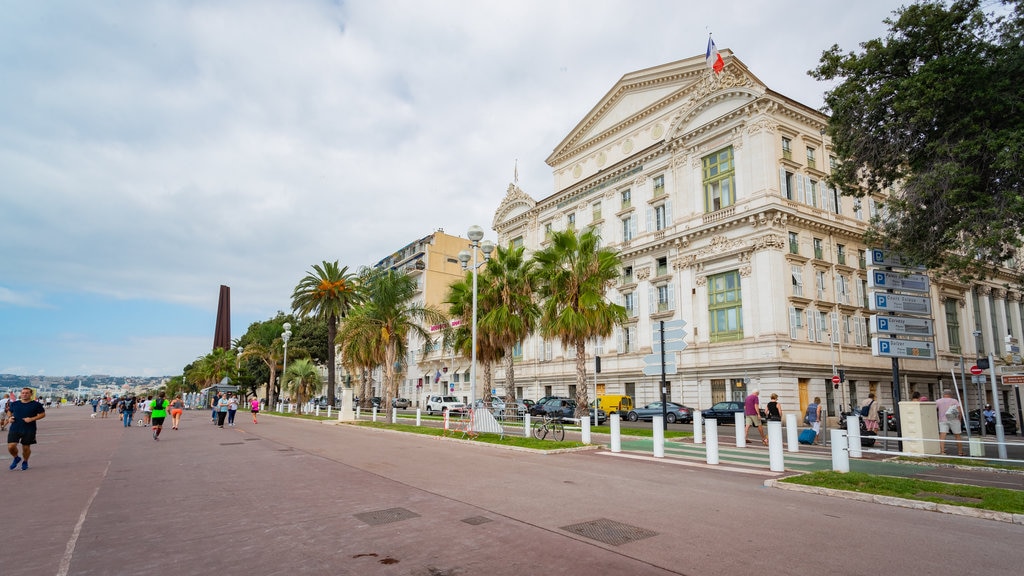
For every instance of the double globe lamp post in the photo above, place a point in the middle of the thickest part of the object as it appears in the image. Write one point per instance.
(284, 368)
(475, 234)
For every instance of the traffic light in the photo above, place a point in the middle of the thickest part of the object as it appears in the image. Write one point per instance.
(597, 364)
(982, 363)
(842, 375)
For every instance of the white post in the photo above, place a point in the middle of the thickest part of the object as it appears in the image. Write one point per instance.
(698, 423)
(394, 415)
(417, 416)
(775, 452)
(658, 423)
(840, 453)
(526, 425)
(711, 432)
(328, 412)
(741, 437)
(316, 411)
(585, 429)
(374, 419)
(358, 410)
(616, 432)
(792, 433)
(853, 435)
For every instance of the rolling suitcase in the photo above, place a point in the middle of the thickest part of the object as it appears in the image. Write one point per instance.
(807, 436)
(867, 439)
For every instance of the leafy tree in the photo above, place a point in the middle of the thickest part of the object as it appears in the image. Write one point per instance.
(574, 272)
(934, 112)
(360, 353)
(302, 380)
(212, 368)
(327, 292)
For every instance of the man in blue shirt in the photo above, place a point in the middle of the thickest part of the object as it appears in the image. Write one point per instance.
(24, 415)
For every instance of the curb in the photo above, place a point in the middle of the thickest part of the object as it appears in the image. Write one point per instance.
(901, 502)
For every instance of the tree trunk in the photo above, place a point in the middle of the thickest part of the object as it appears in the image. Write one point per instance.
(582, 403)
(390, 387)
(510, 377)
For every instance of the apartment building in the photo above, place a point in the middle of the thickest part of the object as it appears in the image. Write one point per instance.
(712, 187)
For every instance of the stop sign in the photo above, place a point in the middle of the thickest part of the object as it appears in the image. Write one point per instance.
(835, 379)
(975, 370)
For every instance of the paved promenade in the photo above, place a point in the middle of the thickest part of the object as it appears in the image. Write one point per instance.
(295, 497)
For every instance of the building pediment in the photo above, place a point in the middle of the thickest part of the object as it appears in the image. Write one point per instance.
(515, 203)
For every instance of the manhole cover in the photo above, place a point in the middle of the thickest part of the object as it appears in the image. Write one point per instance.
(378, 517)
(476, 520)
(609, 531)
(950, 497)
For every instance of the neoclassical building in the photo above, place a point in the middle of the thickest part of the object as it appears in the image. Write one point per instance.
(712, 188)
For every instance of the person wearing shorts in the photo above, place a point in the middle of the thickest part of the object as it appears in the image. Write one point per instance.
(752, 415)
(158, 411)
(23, 414)
(177, 407)
(254, 407)
(948, 421)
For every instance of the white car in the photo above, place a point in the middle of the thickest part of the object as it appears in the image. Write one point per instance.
(442, 403)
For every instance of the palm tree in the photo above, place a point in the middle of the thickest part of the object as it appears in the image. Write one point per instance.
(272, 355)
(460, 305)
(511, 310)
(387, 318)
(360, 352)
(327, 292)
(302, 379)
(574, 273)
(213, 367)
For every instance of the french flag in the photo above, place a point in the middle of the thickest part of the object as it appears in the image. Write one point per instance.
(713, 58)
(437, 377)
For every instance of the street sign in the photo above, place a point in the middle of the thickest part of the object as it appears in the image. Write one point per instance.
(676, 334)
(894, 348)
(975, 370)
(896, 281)
(901, 325)
(888, 258)
(1013, 379)
(899, 303)
(670, 346)
(655, 370)
(835, 379)
(656, 359)
(672, 324)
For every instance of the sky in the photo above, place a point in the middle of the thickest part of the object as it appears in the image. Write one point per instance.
(152, 151)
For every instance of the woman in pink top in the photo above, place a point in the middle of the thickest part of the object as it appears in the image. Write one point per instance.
(254, 407)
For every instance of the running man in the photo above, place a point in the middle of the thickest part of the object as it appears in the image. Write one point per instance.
(24, 414)
(159, 412)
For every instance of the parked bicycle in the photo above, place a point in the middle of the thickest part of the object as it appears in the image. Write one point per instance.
(552, 425)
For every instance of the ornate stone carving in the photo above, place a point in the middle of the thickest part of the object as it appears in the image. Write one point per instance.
(701, 280)
(745, 271)
(999, 293)
(985, 290)
(721, 244)
(769, 242)
(683, 262)
(643, 273)
(1013, 296)
(514, 198)
(762, 124)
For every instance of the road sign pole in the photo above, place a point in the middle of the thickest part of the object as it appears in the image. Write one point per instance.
(664, 407)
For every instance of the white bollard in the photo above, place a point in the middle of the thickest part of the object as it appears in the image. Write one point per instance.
(853, 435)
(658, 424)
(526, 425)
(840, 453)
(328, 412)
(711, 434)
(741, 436)
(374, 419)
(775, 451)
(616, 432)
(417, 416)
(317, 411)
(358, 410)
(585, 429)
(394, 415)
(792, 433)
(698, 423)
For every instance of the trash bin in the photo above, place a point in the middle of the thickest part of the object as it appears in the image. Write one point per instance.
(976, 447)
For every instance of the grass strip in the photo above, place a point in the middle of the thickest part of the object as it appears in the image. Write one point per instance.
(982, 497)
(484, 437)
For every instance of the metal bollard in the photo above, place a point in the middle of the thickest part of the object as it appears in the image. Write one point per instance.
(417, 416)
(526, 425)
(711, 433)
(658, 423)
(316, 411)
(840, 451)
(394, 415)
(792, 433)
(741, 436)
(853, 435)
(328, 412)
(616, 432)
(775, 456)
(374, 414)
(698, 423)
(585, 429)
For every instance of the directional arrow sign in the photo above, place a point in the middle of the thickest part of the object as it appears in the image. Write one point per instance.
(670, 346)
(677, 334)
(656, 370)
(895, 281)
(655, 359)
(887, 258)
(899, 303)
(672, 324)
(893, 348)
(902, 325)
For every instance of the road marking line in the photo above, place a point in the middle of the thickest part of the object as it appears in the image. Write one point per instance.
(69, 551)
(692, 463)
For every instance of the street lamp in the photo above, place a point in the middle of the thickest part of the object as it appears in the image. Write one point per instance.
(475, 234)
(285, 336)
(238, 359)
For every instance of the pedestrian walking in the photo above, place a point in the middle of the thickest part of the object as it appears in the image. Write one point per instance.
(157, 415)
(254, 407)
(774, 409)
(222, 410)
(869, 411)
(214, 407)
(23, 415)
(752, 415)
(127, 409)
(232, 408)
(813, 417)
(104, 407)
(949, 412)
(147, 410)
(3, 412)
(177, 407)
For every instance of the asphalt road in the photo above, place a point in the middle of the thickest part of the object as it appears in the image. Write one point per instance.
(295, 497)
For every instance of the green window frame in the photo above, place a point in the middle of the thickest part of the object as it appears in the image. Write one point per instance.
(719, 180)
(725, 307)
(953, 325)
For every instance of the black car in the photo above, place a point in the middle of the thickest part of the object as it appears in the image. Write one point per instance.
(725, 412)
(675, 413)
(563, 408)
(1009, 423)
(538, 408)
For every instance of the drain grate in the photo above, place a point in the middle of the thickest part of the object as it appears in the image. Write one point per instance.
(609, 531)
(387, 516)
(476, 520)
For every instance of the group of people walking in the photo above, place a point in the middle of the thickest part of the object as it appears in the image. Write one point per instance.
(223, 408)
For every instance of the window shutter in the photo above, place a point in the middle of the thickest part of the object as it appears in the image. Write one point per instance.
(811, 332)
(668, 212)
(652, 303)
(618, 340)
(799, 189)
(671, 298)
(650, 219)
(782, 183)
(794, 322)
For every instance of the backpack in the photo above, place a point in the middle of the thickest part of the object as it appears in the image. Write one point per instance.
(865, 410)
(129, 404)
(157, 404)
(953, 413)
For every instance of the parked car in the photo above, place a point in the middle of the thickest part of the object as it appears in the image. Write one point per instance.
(565, 408)
(723, 411)
(375, 401)
(538, 408)
(444, 403)
(675, 413)
(401, 403)
(1009, 423)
